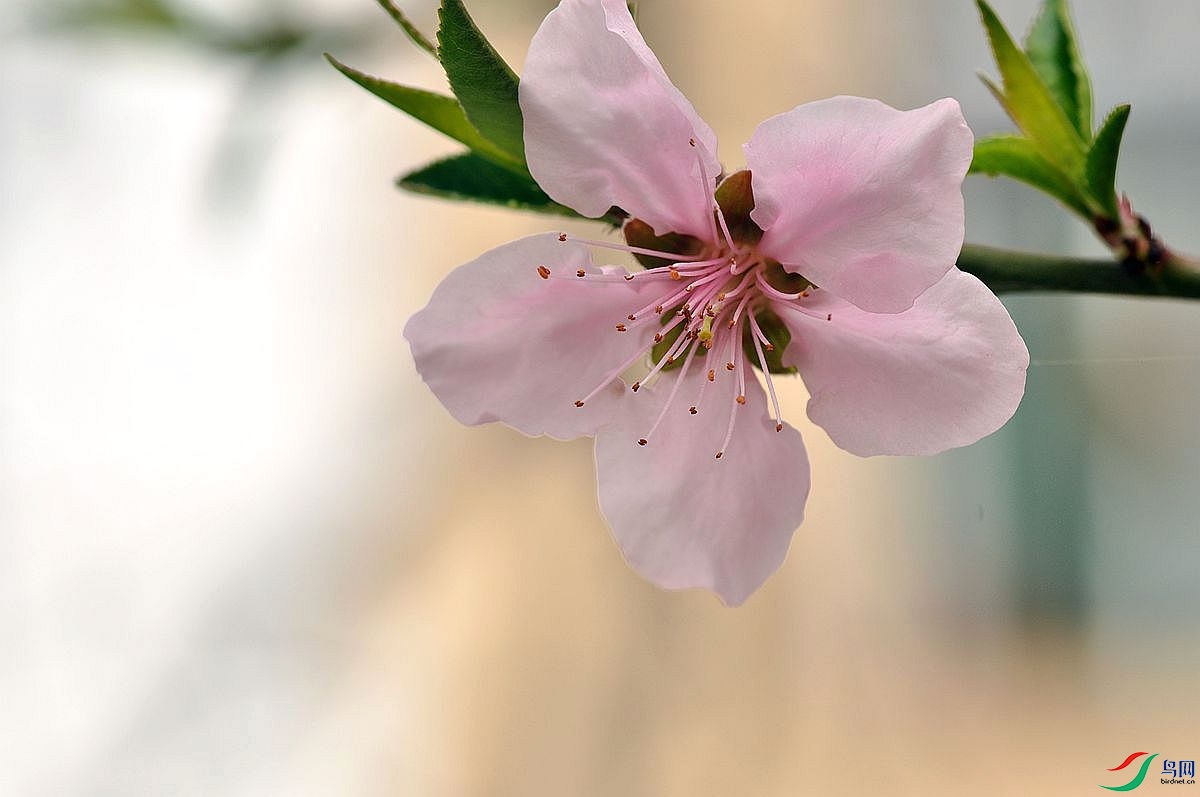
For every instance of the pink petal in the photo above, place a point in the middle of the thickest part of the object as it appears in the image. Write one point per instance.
(499, 343)
(862, 199)
(941, 375)
(604, 125)
(684, 519)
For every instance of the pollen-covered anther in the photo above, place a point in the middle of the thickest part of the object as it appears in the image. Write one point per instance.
(628, 277)
(631, 317)
(658, 337)
(670, 360)
(675, 275)
(779, 427)
(578, 403)
(741, 400)
(637, 386)
(643, 441)
(562, 237)
(543, 272)
(719, 454)
(580, 273)
(770, 347)
(693, 410)
(712, 375)
(658, 308)
(621, 327)
(729, 366)
(691, 142)
(721, 296)
(829, 317)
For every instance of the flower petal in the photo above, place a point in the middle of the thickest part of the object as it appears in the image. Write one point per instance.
(684, 519)
(943, 374)
(862, 199)
(498, 343)
(604, 125)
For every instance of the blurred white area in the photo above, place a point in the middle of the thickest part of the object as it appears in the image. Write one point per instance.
(244, 552)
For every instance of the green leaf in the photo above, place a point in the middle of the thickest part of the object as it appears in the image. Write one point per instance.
(1054, 53)
(410, 29)
(472, 178)
(440, 112)
(1029, 102)
(1018, 158)
(1102, 160)
(483, 83)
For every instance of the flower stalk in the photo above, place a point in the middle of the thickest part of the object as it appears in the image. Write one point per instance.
(1006, 271)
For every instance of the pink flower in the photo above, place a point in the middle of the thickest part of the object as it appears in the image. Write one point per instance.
(700, 479)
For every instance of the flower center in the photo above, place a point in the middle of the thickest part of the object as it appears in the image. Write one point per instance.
(711, 306)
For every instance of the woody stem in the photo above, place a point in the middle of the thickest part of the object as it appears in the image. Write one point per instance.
(1006, 271)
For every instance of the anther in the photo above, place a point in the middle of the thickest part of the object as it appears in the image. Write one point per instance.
(692, 410)
(728, 366)
(675, 275)
(720, 454)
(692, 141)
(631, 317)
(562, 237)
(658, 337)
(578, 403)
(712, 375)
(628, 277)
(731, 323)
(543, 272)
(620, 327)
(658, 308)
(580, 273)
(741, 400)
(637, 386)
(829, 317)
(770, 347)
(642, 442)
(779, 427)
(670, 360)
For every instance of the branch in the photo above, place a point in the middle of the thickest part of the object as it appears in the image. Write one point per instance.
(1006, 271)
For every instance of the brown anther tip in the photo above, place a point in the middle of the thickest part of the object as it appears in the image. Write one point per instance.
(804, 294)
(643, 441)
(562, 237)
(621, 327)
(779, 427)
(628, 277)
(658, 337)
(728, 366)
(731, 323)
(692, 142)
(741, 400)
(637, 386)
(712, 375)
(688, 288)
(631, 317)
(580, 273)
(720, 297)
(692, 410)
(708, 344)
(578, 403)
(675, 275)
(543, 272)
(670, 360)
(658, 308)
(720, 454)
(770, 347)
(829, 317)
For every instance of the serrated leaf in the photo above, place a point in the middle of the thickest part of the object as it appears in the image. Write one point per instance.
(440, 112)
(1102, 160)
(476, 179)
(1018, 158)
(481, 80)
(1030, 103)
(1054, 52)
(409, 29)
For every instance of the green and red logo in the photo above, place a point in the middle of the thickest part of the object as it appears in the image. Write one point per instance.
(1138, 778)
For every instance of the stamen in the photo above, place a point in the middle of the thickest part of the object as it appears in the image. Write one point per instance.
(707, 186)
(770, 290)
(687, 363)
(741, 399)
(631, 250)
(543, 272)
(580, 273)
(762, 363)
(611, 376)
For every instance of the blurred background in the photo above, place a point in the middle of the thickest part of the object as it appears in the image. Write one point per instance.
(243, 550)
